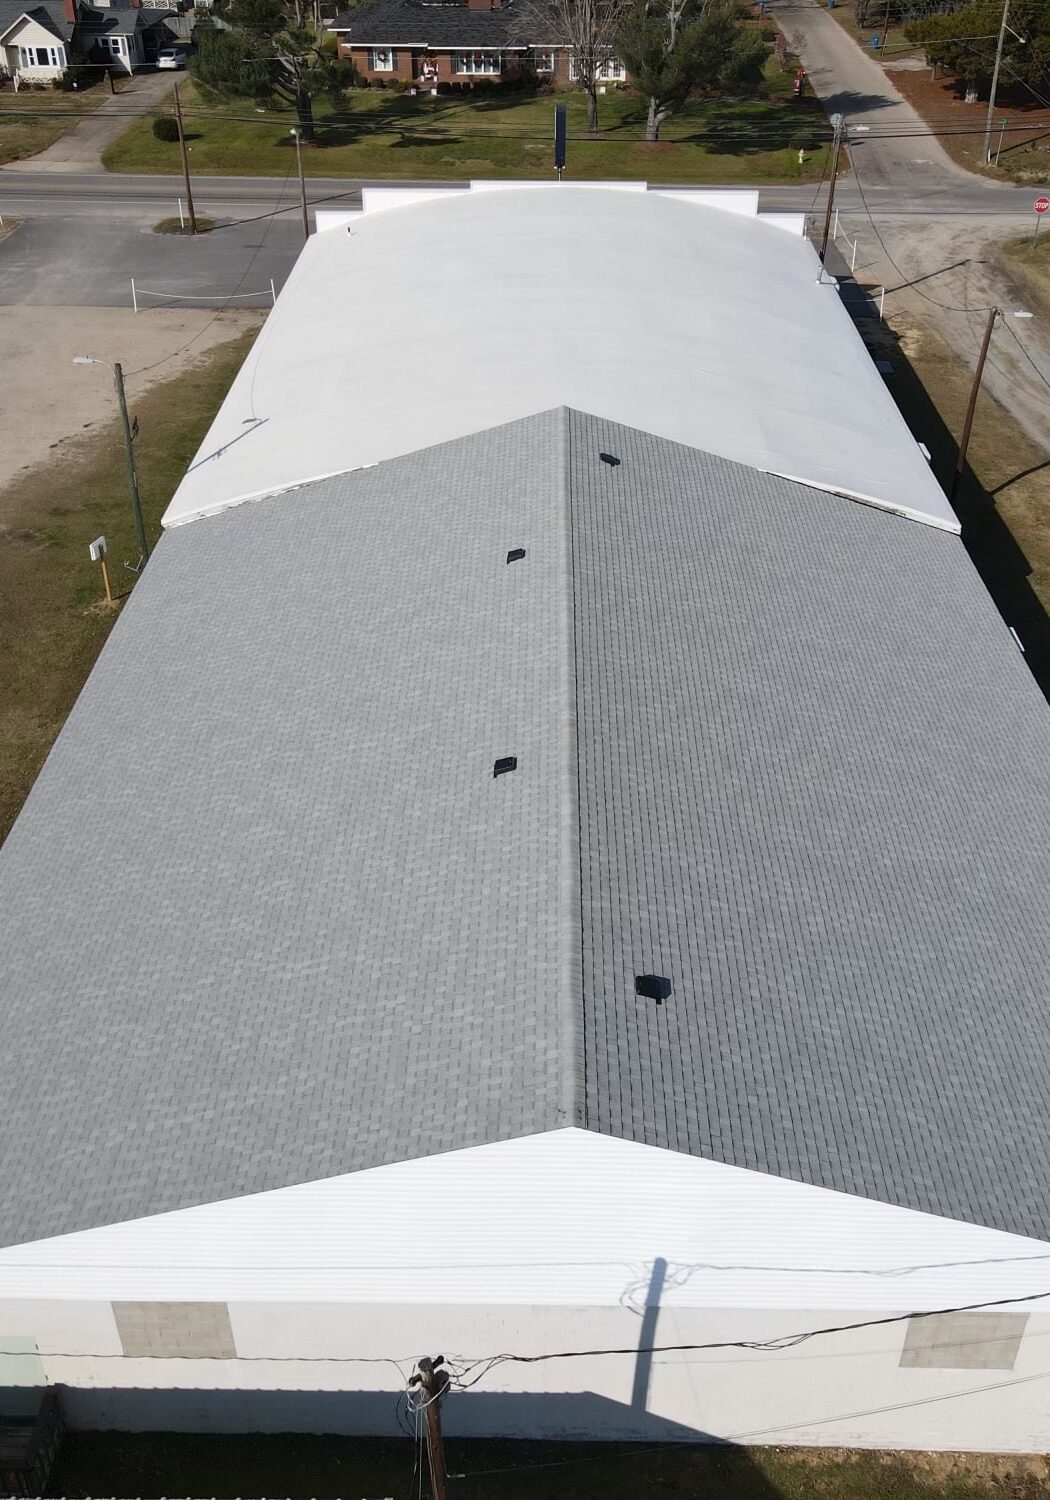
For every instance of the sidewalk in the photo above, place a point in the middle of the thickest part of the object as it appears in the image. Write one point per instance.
(80, 149)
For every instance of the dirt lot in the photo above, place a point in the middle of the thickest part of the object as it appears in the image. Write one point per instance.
(54, 400)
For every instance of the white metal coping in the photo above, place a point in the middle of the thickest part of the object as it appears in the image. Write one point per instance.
(447, 316)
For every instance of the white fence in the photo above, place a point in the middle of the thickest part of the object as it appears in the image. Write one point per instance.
(139, 293)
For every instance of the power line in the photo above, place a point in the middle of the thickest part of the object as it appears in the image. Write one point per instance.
(462, 1369)
(145, 369)
(1026, 354)
(944, 306)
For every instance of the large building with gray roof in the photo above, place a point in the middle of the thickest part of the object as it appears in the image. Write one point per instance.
(618, 854)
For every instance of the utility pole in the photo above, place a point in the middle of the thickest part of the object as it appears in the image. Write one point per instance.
(837, 122)
(885, 28)
(995, 82)
(960, 462)
(185, 162)
(302, 184)
(133, 478)
(433, 1383)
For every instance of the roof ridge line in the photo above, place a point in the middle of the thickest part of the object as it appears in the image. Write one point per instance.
(572, 1103)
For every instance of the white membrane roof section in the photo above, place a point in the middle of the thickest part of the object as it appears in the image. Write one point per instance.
(429, 322)
(598, 1213)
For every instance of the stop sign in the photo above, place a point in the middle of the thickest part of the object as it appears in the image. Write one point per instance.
(1041, 205)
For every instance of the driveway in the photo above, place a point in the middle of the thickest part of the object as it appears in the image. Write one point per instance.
(80, 149)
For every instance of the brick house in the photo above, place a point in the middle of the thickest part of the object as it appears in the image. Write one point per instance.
(430, 44)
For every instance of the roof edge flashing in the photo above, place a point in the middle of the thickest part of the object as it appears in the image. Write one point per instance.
(907, 513)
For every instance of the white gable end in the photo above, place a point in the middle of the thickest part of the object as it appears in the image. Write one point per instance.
(564, 1218)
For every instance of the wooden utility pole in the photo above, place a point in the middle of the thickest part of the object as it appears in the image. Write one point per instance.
(885, 28)
(838, 124)
(185, 162)
(1003, 28)
(433, 1382)
(302, 184)
(964, 444)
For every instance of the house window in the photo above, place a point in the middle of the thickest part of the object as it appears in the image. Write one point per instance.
(41, 57)
(610, 70)
(543, 61)
(382, 59)
(477, 62)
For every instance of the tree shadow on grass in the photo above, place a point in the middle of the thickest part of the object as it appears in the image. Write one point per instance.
(351, 134)
(728, 131)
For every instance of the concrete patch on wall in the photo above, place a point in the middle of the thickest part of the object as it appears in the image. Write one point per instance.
(20, 1364)
(183, 1330)
(964, 1341)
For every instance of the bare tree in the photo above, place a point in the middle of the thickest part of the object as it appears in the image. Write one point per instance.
(587, 28)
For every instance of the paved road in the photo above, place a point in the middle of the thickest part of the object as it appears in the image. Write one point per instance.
(850, 82)
(63, 262)
(147, 198)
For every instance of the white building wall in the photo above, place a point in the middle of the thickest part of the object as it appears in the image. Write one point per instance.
(329, 1295)
(847, 1390)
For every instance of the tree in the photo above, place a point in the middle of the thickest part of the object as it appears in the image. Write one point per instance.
(587, 28)
(964, 43)
(675, 48)
(273, 50)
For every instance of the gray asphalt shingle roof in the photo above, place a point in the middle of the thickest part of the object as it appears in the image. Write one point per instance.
(270, 916)
(406, 22)
(49, 13)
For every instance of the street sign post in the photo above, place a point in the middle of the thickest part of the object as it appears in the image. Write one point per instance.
(1039, 208)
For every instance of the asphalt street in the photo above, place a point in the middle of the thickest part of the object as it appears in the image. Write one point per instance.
(104, 194)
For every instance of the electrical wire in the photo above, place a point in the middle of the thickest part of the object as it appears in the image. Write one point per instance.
(484, 1367)
(146, 369)
(905, 279)
(461, 1369)
(1026, 354)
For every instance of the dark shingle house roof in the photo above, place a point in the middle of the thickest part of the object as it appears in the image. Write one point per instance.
(404, 23)
(118, 20)
(269, 915)
(48, 13)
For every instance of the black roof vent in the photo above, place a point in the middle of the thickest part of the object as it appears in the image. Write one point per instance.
(504, 764)
(610, 459)
(652, 987)
(515, 554)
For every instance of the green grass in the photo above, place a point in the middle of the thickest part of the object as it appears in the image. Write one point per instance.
(384, 135)
(897, 44)
(153, 1464)
(51, 621)
(53, 114)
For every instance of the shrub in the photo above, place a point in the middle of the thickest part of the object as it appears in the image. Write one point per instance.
(379, 83)
(399, 85)
(165, 128)
(805, 139)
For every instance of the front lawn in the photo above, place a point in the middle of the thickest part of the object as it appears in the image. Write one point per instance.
(385, 135)
(30, 121)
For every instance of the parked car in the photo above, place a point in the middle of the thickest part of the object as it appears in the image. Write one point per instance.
(170, 57)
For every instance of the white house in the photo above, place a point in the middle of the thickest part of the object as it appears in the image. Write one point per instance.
(35, 39)
(39, 42)
(550, 868)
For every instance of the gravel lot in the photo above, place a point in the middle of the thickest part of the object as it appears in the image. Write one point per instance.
(53, 400)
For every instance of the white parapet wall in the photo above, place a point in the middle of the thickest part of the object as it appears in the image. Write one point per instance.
(305, 1309)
